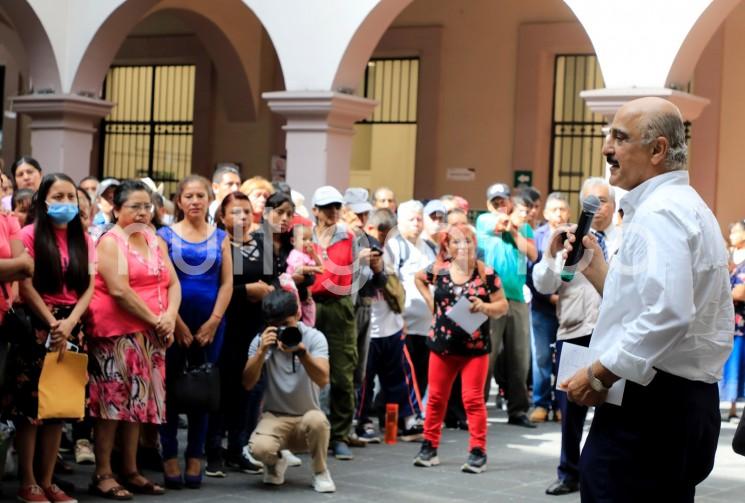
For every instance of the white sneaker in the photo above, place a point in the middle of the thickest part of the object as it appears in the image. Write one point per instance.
(84, 453)
(275, 474)
(253, 460)
(322, 482)
(292, 460)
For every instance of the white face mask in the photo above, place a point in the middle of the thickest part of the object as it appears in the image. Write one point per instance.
(167, 219)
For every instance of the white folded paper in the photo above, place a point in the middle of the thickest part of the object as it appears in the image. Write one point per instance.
(574, 358)
(461, 314)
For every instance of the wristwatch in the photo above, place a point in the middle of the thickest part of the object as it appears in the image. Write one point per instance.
(595, 383)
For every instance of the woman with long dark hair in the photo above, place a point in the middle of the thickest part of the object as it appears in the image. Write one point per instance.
(455, 275)
(202, 257)
(56, 298)
(244, 320)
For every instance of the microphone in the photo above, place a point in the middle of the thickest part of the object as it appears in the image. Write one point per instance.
(590, 206)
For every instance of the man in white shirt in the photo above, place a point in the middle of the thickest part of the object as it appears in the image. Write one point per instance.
(665, 325)
(409, 255)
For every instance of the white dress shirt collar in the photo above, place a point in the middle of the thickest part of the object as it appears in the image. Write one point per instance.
(636, 196)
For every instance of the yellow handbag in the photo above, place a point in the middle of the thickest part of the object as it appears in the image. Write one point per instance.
(62, 386)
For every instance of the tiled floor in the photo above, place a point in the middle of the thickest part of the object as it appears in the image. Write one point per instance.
(521, 465)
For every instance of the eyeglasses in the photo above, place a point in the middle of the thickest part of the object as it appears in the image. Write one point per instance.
(139, 207)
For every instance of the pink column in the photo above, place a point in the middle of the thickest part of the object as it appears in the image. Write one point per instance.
(62, 129)
(319, 129)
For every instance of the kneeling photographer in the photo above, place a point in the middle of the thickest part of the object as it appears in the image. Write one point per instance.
(295, 360)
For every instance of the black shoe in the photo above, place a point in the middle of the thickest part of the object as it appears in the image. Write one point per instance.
(413, 434)
(561, 487)
(215, 467)
(476, 462)
(521, 420)
(427, 456)
(65, 444)
(241, 464)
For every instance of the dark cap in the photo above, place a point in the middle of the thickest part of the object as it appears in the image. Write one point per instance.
(497, 190)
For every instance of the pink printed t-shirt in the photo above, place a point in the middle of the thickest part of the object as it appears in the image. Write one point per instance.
(65, 297)
(9, 227)
(148, 277)
(297, 259)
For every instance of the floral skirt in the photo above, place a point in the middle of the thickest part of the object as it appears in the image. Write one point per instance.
(127, 378)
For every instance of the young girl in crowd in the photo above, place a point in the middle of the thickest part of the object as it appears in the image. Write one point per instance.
(202, 257)
(304, 259)
(56, 297)
(456, 274)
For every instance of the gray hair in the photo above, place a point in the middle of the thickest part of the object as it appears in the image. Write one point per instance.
(408, 207)
(382, 219)
(557, 196)
(595, 181)
(671, 126)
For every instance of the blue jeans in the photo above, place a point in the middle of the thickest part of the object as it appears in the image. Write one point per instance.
(544, 335)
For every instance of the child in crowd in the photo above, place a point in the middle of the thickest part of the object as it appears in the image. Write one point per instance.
(21, 204)
(304, 259)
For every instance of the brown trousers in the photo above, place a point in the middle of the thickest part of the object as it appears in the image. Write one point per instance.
(309, 432)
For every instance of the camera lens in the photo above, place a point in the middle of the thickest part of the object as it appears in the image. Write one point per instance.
(289, 336)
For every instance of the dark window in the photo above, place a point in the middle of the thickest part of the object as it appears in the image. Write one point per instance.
(576, 132)
(149, 131)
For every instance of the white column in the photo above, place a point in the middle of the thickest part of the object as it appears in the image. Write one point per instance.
(320, 129)
(62, 128)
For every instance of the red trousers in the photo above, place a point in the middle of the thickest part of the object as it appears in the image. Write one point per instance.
(442, 373)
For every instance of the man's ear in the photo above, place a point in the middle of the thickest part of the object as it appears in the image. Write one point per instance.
(659, 151)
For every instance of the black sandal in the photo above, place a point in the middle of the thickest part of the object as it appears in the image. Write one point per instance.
(149, 488)
(116, 493)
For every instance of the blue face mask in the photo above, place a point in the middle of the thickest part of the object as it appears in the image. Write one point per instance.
(62, 213)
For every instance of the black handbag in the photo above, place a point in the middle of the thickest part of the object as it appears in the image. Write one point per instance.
(194, 388)
(16, 327)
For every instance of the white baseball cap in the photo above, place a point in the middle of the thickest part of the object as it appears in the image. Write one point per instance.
(323, 196)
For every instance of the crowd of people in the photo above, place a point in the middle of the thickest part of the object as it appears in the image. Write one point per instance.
(308, 324)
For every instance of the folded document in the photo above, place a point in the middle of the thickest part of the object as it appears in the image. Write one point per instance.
(574, 358)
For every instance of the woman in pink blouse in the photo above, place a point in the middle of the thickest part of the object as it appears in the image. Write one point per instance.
(133, 315)
(56, 298)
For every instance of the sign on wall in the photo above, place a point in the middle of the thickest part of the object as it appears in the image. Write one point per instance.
(523, 177)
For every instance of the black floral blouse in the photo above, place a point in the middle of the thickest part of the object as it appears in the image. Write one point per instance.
(446, 337)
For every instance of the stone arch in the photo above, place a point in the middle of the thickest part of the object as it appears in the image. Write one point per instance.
(364, 41)
(213, 28)
(681, 71)
(41, 61)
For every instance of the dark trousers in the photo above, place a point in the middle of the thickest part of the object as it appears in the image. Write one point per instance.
(572, 423)
(636, 453)
(509, 359)
(416, 345)
(386, 361)
(362, 314)
(335, 318)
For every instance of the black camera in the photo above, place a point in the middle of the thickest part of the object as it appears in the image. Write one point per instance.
(289, 336)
